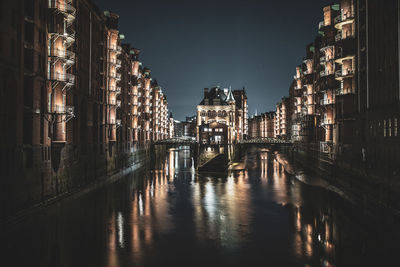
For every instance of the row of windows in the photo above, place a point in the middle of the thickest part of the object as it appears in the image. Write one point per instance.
(213, 113)
(220, 130)
(385, 128)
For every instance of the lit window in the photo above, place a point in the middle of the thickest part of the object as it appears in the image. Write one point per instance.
(384, 128)
(390, 127)
(395, 127)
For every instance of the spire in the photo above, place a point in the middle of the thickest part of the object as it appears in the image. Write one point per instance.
(230, 98)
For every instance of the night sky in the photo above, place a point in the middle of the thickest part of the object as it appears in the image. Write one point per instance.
(193, 44)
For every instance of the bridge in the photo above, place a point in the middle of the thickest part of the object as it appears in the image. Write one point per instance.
(176, 141)
(265, 140)
(186, 141)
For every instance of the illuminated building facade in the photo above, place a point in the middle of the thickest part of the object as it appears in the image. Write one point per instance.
(219, 108)
(344, 97)
(282, 119)
(77, 99)
(262, 126)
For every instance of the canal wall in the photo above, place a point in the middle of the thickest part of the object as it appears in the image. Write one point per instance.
(68, 171)
(375, 192)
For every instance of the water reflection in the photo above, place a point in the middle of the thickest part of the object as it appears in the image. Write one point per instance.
(221, 205)
(169, 215)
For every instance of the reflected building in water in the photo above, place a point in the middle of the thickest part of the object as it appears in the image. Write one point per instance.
(170, 215)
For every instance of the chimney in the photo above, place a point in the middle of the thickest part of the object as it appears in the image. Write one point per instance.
(205, 92)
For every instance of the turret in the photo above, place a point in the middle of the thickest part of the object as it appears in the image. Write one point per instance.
(230, 99)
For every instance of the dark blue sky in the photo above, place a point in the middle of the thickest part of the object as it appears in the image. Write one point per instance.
(192, 44)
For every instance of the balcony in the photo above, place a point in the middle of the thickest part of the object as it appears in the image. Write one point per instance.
(327, 101)
(61, 109)
(113, 61)
(343, 74)
(324, 59)
(113, 47)
(342, 91)
(67, 111)
(62, 77)
(112, 75)
(324, 73)
(118, 103)
(69, 35)
(65, 7)
(340, 37)
(297, 87)
(343, 19)
(66, 55)
(116, 89)
(344, 53)
(326, 147)
(118, 76)
(321, 24)
(326, 122)
(119, 49)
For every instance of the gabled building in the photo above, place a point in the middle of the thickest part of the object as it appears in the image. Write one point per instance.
(217, 108)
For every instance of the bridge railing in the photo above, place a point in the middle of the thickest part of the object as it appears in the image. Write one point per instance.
(175, 141)
(265, 140)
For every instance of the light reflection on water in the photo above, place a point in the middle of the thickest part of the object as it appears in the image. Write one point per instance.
(172, 216)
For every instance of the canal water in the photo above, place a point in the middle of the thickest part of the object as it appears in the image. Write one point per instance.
(169, 215)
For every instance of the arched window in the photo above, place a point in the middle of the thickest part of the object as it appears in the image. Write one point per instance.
(219, 113)
(214, 113)
(224, 113)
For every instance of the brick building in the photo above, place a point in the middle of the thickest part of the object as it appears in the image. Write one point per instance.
(344, 98)
(282, 119)
(76, 101)
(262, 126)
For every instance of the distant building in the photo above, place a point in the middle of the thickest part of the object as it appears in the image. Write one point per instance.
(171, 124)
(282, 120)
(178, 128)
(262, 126)
(189, 126)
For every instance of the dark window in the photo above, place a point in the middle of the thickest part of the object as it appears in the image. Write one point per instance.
(12, 47)
(13, 23)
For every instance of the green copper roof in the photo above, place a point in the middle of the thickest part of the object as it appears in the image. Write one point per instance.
(336, 7)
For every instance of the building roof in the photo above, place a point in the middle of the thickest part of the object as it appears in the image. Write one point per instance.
(224, 95)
